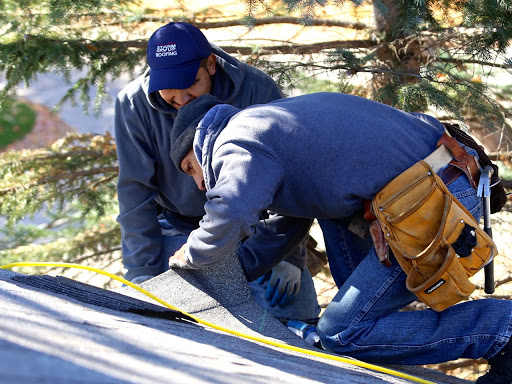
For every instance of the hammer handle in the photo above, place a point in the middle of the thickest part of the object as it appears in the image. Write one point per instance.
(489, 270)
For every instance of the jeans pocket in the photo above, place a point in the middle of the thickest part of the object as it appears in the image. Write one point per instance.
(466, 194)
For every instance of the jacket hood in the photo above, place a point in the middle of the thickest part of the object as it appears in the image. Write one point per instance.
(207, 132)
(228, 78)
(227, 82)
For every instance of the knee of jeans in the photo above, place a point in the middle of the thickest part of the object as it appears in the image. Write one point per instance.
(328, 326)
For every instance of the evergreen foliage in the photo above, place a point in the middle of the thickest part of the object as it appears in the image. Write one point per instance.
(420, 54)
(71, 186)
(83, 166)
(63, 36)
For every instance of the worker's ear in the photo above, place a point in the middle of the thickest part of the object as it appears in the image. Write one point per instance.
(211, 64)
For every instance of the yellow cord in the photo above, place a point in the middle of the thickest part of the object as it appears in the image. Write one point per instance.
(220, 328)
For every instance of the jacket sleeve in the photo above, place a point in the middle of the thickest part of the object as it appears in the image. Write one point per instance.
(136, 189)
(278, 237)
(246, 183)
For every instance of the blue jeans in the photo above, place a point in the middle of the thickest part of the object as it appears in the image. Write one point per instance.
(346, 248)
(364, 319)
(303, 306)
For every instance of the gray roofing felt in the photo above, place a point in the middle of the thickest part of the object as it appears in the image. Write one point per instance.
(53, 330)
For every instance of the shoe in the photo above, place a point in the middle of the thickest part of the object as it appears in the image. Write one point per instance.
(501, 367)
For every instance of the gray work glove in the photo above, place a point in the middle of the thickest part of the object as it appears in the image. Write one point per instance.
(178, 259)
(176, 263)
(283, 283)
(141, 279)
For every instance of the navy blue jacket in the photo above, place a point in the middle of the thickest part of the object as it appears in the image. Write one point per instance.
(313, 156)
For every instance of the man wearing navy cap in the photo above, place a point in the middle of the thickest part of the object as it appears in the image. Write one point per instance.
(159, 206)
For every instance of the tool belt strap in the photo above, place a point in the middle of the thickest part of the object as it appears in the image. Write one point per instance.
(439, 158)
(462, 160)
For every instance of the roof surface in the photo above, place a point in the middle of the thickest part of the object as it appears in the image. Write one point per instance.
(54, 330)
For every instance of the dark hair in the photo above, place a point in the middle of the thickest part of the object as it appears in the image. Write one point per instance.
(203, 64)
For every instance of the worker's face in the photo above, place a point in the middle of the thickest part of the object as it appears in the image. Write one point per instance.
(191, 167)
(202, 85)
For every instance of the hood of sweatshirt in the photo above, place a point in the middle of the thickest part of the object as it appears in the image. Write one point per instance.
(207, 132)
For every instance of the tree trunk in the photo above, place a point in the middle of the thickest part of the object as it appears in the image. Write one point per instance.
(384, 18)
(398, 53)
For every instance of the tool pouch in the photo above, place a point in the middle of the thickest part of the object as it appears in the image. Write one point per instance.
(434, 238)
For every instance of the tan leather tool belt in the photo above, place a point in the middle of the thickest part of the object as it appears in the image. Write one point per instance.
(436, 241)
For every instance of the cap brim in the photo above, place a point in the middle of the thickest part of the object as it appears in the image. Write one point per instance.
(181, 77)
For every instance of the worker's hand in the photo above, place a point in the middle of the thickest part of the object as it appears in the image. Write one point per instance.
(178, 259)
(283, 283)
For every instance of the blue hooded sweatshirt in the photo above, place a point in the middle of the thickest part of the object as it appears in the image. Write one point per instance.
(147, 177)
(313, 156)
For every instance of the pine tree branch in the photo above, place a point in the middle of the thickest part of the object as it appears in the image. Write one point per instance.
(276, 20)
(45, 157)
(55, 156)
(78, 174)
(95, 254)
(290, 48)
(472, 61)
(103, 180)
(253, 22)
(300, 49)
(60, 177)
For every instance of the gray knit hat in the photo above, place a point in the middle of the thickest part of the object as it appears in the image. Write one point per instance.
(184, 127)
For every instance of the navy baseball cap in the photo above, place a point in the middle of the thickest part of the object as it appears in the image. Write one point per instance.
(174, 54)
